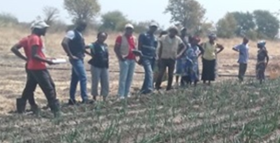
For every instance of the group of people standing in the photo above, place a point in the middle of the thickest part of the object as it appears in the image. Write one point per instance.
(172, 50)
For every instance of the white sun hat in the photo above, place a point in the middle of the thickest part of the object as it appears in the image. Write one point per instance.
(129, 26)
(40, 24)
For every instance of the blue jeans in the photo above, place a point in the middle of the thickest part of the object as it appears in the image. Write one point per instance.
(78, 75)
(126, 76)
(148, 65)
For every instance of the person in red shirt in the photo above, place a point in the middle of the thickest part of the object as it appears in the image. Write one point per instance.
(124, 46)
(36, 64)
(30, 86)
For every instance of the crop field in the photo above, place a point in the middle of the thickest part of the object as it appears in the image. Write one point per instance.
(226, 112)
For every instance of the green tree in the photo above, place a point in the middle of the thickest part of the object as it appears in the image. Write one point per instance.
(113, 20)
(227, 26)
(205, 29)
(7, 18)
(82, 9)
(142, 26)
(267, 24)
(188, 13)
(245, 22)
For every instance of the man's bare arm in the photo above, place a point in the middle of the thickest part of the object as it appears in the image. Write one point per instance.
(87, 52)
(160, 50)
(183, 49)
(65, 45)
(220, 47)
(140, 43)
(267, 58)
(37, 57)
(15, 50)
(117, 48)
(235, 49)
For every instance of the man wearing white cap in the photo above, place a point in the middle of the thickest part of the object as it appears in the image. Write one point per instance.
(124, 46)
(36, 64)
(31, 83)
(147, 44)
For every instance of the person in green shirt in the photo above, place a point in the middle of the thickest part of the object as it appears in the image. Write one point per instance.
(99, 66)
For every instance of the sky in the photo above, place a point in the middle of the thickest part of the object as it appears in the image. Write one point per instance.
(137, 10)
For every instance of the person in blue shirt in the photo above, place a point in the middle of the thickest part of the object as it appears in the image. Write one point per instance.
(147, 44)
(243, 50)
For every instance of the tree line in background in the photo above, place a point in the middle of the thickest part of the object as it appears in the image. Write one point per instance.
(188, 13)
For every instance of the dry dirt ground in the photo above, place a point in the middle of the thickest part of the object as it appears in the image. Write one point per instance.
(225, 112)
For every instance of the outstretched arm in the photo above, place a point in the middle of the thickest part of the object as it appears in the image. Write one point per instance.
(220, 47)
(87, 52)
(235, 49)
(182, 48)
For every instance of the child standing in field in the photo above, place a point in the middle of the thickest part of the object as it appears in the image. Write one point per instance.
(243, 50)
(262, 61)
(99, 66)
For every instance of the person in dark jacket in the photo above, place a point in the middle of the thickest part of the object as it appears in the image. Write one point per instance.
(99, 66)
(74, 45)
(262, 61)
(147, 44)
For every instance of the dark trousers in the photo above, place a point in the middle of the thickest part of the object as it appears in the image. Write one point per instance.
(30, 86)
(163, 64)
(43, 78)
(242, 71)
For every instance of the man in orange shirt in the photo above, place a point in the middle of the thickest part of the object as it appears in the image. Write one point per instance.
(30, 86)
(36, 64)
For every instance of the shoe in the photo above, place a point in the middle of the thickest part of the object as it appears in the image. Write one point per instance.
(94, 98)
(35, 109)
(104, 98)
(87, 102)
(46, 107)
(169, 88)
(121, 97)
(55, 108)
(21, 104)
(72, 102)
(146, 92)
(176, 85)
